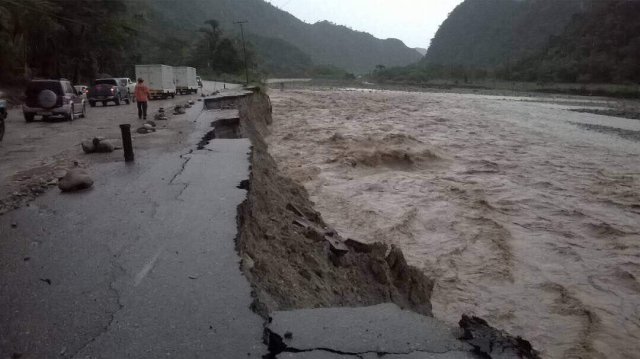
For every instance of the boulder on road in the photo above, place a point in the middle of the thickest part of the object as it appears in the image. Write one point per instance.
(75, 180)
(97, 145)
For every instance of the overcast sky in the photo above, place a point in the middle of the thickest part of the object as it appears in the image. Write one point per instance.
(412, 21)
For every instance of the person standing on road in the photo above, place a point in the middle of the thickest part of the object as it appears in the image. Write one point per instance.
(142, 97)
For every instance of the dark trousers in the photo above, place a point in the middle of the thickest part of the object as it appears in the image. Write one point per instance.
(142, 109)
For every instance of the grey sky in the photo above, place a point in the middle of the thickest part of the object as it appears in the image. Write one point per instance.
(412, 21)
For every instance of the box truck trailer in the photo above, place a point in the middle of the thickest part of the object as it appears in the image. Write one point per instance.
(159, 79)
(186, 80)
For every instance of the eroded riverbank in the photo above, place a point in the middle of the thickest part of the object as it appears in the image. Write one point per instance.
(516, 213)
(294, 261)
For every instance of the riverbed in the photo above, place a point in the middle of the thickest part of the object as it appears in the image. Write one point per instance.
(523, 212)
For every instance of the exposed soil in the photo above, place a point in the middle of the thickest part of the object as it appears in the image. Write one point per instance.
(517, 214)
(290, 255)
(291, 266)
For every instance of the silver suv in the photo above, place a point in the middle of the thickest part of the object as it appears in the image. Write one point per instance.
(48, 98)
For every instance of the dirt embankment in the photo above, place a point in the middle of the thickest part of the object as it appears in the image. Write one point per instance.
(285, 252)
(288, 257)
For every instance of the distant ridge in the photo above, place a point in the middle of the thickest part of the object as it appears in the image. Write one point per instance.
(325, 43)
(488, 33)
(421, 50)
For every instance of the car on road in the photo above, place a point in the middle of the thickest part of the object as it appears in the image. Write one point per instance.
(108, 90)
(130, 85)
(3, 116)
(52, 98)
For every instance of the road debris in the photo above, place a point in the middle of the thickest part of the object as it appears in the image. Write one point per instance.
(75, 179)
(145, 129)
(179, 110)
(97, 145)
(160, 117)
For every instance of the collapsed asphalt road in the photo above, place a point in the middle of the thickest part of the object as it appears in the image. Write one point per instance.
(141, 266)
(145, 265)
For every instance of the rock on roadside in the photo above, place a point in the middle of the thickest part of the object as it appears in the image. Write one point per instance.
(75, 180)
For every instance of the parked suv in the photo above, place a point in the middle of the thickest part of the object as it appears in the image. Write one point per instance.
(48, 98)
(108, 90)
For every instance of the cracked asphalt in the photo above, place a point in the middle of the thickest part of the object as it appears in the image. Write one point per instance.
(383, 330)
(143, 265)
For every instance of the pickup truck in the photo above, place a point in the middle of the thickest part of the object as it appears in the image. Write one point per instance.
(108, 90)
(130, 85)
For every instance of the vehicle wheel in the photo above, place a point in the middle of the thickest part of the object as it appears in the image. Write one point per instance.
(117, 100)
(173, 95)
(128, 100)
(29, 117)
(104, 103)
(1, 129)
(92, 103)
(72, 115)
(84, 111)
(47, 99)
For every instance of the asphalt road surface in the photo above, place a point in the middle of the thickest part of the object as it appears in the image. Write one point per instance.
(32, 152)
(143, 265)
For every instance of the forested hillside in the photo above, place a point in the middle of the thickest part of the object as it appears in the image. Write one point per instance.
(324, 42)
(575, 41)
(488, 33)
(84, 39)
(81, 39)
(599, 45)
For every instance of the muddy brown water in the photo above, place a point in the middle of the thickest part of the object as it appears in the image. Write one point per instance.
(521, 216)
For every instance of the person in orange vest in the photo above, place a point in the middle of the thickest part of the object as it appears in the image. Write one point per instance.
(142, 97)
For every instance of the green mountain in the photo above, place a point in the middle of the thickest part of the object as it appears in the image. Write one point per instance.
(601, 44)
(272, 30)
(488, 33)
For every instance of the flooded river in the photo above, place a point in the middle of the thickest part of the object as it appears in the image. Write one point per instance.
(523, 212)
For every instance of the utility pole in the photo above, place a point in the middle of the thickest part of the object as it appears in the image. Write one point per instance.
(244, 50)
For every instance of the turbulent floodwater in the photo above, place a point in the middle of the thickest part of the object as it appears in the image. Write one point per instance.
(521, 215)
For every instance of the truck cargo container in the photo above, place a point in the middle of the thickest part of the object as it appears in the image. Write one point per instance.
(159, 79)
(186, 80)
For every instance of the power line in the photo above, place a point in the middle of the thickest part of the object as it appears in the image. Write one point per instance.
(244, 49)
(25, 6)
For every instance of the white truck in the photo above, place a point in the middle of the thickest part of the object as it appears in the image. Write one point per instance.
(186, 80)
(159, 79)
